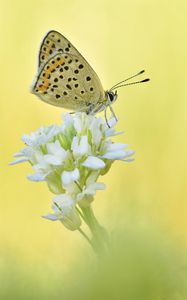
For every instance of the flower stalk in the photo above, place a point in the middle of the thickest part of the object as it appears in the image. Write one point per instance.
(100, 239)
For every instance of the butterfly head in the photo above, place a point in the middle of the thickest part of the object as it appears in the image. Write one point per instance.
(111, 96)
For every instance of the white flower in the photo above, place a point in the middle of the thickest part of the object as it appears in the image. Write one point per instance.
(42, 136)
(117, 151)
(70, 176)
(81, 147)
(65, 211)
(86, 196)
(56, 154)
(70, 158)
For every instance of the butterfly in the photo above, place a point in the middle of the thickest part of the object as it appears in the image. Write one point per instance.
(67, 80)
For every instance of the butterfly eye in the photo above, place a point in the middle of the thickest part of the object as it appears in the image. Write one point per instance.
(112, 96)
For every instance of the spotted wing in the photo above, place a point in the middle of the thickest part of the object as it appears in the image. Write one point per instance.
(52, 43)
(67, 80)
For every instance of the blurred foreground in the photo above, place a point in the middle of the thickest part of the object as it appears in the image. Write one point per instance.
(142, 264)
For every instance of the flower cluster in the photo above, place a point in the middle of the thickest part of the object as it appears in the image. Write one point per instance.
(70, 158)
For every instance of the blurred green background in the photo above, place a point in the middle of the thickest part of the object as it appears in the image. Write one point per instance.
(145, 201)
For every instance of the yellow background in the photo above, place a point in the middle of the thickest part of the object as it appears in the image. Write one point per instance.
(118, 38)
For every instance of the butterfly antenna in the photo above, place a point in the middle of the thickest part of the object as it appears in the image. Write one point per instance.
(141, 72)
(144, 80)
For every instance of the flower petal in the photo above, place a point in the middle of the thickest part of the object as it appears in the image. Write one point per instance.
(91, 189)
(119, 154)
(56, 149)
(50, 217)
(70, 176)
(77, 124)
(93, 163)
(80, 148)
(19, 160)
(37, 177)
(116, 146)
(52, 159)
(64, 201)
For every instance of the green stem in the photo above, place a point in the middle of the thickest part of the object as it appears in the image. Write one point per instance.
(85, 236)
(81, 214)
(99, 235)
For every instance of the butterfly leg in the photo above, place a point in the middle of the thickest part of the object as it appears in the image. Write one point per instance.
(106, 117)
(94, 109)
(113, 113)
(90, 109)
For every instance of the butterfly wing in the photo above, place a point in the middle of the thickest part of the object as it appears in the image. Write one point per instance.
(64, 77)
(53, 42)
(67, 80)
